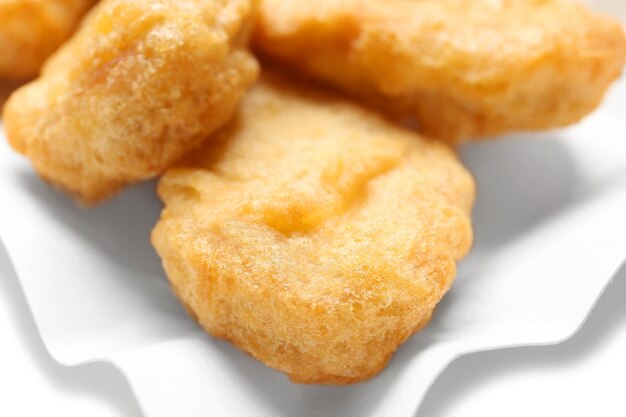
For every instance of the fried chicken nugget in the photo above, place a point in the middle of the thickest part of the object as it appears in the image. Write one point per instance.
(31, 30)
(6, 88)
(460, 68)
(313, 234)
(139, 85)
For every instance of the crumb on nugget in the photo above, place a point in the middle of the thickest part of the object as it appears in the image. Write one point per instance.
(460, 68)
(313, 234)
(31, 30)
(139, 85)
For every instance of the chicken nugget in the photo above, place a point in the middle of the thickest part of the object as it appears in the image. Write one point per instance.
(313, 234)
(139, 85)
(6, 89)
(31, 30)
(459, 68)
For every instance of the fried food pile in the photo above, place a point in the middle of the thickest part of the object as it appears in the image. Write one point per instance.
(31, 30)
(139, 85)
(460, 68)
(313, 234)
(310, 231)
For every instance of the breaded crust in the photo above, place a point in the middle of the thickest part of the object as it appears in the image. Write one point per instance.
(460, 68)
(6, 89)
(31, 30)
(313, 234)
(140, 84)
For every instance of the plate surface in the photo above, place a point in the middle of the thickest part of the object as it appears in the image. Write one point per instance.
(549, 225)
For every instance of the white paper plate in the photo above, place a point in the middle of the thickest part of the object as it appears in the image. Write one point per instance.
(550, 233)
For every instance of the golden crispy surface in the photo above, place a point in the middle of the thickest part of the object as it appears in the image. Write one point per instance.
(461, 68)
(31, 30)
(6, 89)
(313, 234)
(141, 83)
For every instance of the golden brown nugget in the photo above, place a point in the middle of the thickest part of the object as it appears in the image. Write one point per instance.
(139, 85)
(313, 234)
(6, 89)
(460, 68)
(31, 30)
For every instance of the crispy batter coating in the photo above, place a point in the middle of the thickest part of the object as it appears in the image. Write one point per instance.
(6, 89)
(31, 30)
(313, 234)
(140, 84)
(460, 68)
